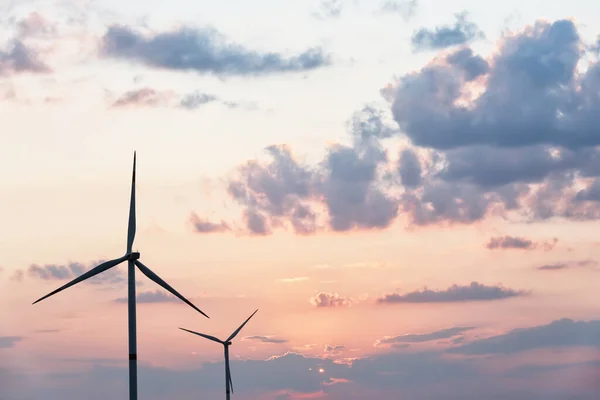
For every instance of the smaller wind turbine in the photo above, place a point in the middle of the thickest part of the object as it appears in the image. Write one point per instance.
(226, 344)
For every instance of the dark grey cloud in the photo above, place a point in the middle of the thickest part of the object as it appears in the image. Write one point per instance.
(202, 225)
(51, 272)
(462, 32)
(7, 342)
(419, 375)
(202, 50)
(455, 293)
(330, 300)
(557, 334)
(282, 192)
(266, 339)
(156, 296)
(510, 135)
(523, 146)
(510, 242)
(424, 337)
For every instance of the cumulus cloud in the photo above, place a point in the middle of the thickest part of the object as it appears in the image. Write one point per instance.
(201, 50)
(156, 296)
(423, 337)
(455, 293)
(463, 31)
(561, 333)
(266, 339)
(330, 300)
(510, 135)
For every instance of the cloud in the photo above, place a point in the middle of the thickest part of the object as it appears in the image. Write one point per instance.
(557, 334)
(567, 265)
(294, 280)
(455, 293)
(266, 339)
(463, 31)
(205, 226)
(282, 192)
(406, 8)
(17, 57)
(510, 242)
(196, 99)
(507, 135)
(156, 296)
(144, 97)
(202, 50)
(423, 337)
(515, 242)
(330, 300)
(51, 272)
(329, 9)
(331, 350)
(7, 342)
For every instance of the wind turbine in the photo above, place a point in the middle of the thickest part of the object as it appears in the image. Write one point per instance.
(133, 260)
(226, 343)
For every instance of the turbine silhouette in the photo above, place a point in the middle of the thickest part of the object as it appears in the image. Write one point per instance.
(133, 260)
(226, 343)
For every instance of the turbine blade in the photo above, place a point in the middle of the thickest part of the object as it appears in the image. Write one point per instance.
(234, 334)
(214, 339)
(152, 276)
(131, 226)
(92, 272)
(228, 372)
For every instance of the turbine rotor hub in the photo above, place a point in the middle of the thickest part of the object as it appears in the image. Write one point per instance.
(133, 256)
(228, 343)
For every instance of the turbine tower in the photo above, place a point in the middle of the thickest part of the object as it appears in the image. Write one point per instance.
(133, 260)
(226, 343)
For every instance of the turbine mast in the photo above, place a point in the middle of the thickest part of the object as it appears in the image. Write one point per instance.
(227, 372)
(131, 311)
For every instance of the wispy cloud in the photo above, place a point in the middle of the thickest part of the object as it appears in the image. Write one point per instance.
(294, 280)
(203, 50)
(423, 337)
(567, 265)
(266, 339)
(455, 293)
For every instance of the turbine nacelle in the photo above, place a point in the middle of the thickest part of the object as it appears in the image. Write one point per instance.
(135, 255)
(227, 343)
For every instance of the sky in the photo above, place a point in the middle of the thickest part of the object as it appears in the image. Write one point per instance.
(407, 190)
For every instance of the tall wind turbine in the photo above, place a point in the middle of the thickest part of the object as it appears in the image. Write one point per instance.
(226, 344)
(133, 260)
